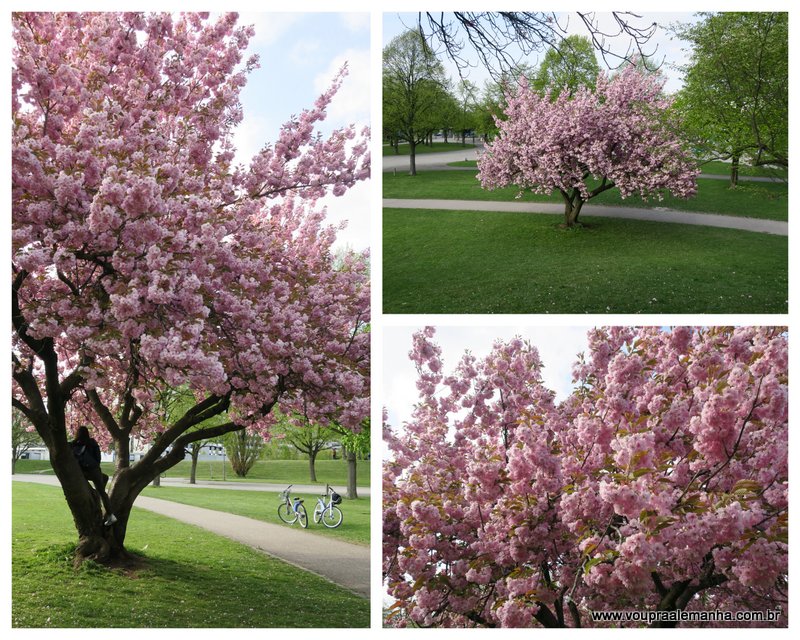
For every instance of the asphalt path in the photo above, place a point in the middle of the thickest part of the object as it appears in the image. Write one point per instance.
(363, 492)
(433, 161)
(658, 214)
(344, 564)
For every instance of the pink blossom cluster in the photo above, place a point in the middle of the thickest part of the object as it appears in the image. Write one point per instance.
(621, 133)
(659, 483)
(145, 256)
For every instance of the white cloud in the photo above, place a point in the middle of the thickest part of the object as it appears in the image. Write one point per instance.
(352, 103)
(355, 22)
(269, 27)
(251, 135)
(304, 52)
(353, 207)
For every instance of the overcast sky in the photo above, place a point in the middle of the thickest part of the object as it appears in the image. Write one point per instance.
(299, 55)
(670, 50)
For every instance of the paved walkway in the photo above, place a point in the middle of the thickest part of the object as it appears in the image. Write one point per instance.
(363, 492)
(340, 562)
(433, 161)
(775, 227)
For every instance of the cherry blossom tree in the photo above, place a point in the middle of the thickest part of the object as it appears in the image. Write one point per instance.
(620, 135)
(143, 257)
(660, 484)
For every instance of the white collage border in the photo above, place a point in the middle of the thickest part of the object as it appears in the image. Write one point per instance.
(377, 8)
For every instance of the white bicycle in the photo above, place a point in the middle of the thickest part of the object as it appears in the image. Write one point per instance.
(328, 513)
(291, 511)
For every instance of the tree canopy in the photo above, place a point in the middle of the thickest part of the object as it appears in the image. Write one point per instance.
(571, 65)
(620, 135)
(735, 97)
(414, 91)
(143, 257)
(659, 484)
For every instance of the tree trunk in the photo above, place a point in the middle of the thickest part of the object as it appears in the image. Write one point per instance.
(412, 157)
(193, 471)
(464, 138)
(312, 458)
(95, 540)
(445, 136)
(13, 465)
(572, 209)
(734, 171)
(352, 488)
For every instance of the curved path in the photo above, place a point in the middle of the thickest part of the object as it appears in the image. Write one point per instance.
(236, 485)
(339, 562)
(363, 492)
(433, 161)
(775, 227)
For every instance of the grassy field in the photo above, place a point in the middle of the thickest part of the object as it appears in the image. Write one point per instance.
(437, 147)
(269, 471)
(724, 169)
(263, 505)
(190, 578)
(752, 200)
(478, 262)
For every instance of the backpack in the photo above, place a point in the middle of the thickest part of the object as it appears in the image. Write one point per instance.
(83, 456)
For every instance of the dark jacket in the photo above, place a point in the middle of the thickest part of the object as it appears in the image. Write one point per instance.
(89, 456)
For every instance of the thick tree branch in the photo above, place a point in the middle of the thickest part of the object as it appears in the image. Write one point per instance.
(208, 408)
(109, 421)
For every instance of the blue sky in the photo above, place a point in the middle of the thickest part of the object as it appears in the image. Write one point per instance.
(669, 49)
(299, 55)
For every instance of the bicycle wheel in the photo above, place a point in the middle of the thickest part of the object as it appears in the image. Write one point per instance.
(302, 516)
(332, 517)
(286, 514)
(317, 513)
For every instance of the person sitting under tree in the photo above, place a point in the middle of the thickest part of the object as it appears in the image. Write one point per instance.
(87, 452)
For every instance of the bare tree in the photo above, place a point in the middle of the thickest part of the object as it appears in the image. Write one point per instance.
(500, 40)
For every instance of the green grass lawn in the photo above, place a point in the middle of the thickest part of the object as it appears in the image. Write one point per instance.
(191, 578)
(268, 471)
(485, 262)
(263, 505)
(724, 169)
(436, 147)
(752, 200)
